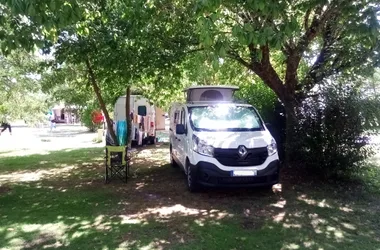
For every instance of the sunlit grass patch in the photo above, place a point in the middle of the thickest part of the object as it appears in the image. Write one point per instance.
(54, 159)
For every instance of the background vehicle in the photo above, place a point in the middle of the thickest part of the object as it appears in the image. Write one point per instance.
(146, 119)
(218, 142)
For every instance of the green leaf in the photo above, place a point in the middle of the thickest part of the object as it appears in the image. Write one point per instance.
(52, 5)
(222, 51)
(242, 39)
(251, 38)
(236, 30)
(248, 27)
(31, 10)
(208, 41)
(261, 5)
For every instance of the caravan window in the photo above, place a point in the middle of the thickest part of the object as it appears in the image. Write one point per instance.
(141, 110)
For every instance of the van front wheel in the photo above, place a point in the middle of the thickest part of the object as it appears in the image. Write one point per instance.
(191, 177)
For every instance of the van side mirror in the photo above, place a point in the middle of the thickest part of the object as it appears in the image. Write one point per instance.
(180, 129)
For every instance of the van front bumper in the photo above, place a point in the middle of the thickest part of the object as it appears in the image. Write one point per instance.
(209, 174)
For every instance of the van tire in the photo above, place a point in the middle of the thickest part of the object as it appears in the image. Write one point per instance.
(173, 163)
(191, 178)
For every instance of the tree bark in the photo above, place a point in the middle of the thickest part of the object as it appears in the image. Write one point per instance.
(127, 114)
(290, 129)
(285, 92)
(100, 99)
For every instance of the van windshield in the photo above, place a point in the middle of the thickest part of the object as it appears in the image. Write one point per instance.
(225, 118)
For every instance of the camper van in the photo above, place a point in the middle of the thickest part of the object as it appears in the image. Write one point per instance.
(146, 119)
(220, 142)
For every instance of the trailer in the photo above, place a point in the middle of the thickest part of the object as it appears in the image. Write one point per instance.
(146, 119)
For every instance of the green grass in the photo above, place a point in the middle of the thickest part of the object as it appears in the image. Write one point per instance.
(51, 159)
(68, 206)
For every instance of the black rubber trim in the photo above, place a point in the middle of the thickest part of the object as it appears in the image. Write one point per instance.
(210, 175)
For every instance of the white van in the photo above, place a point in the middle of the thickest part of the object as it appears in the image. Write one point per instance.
(146, 119)
(219, 142)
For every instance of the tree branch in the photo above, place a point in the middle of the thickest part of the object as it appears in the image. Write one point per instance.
(94, 84)
(265, 59)
(306, 19)
(236, 56)
(263, 69)
(315, 27)
(326, 56)
(253, 53)
(268, 74)
(194, 50)
(294, 55)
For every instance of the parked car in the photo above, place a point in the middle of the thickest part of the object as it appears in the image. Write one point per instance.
(219, 142)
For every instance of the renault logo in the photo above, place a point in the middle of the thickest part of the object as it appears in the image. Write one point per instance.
(242, 151)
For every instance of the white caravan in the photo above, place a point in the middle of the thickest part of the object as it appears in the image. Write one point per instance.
(146, 119)
(219, 142)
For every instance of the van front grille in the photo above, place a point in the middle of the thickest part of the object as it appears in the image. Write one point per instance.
(231, 157)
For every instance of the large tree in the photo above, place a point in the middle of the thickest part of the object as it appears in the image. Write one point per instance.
(123, 43)
(293, 45)
(117, 42)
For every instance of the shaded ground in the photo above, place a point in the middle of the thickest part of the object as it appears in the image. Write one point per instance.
(58, 200)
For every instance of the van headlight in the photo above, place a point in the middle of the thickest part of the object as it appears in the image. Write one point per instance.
(201, 147)
(272, 147)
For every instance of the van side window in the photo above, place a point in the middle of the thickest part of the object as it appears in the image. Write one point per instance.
(176, 117)
(183, 117)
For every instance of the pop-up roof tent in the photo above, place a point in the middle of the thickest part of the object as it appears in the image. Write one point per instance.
(210, 93)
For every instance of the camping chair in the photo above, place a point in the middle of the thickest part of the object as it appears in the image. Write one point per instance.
(117, 163)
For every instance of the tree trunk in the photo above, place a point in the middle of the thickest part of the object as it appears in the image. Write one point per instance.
(127, 114)
(290, 136)
(101, 101)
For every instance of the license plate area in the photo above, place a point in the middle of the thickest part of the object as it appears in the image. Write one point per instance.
(243, 173)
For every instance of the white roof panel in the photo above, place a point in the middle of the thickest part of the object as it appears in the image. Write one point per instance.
(212, 87)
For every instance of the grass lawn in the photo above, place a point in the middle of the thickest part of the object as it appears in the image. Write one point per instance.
(59, 200)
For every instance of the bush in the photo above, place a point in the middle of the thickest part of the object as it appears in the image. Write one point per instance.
(332, 136)
(86, 118)
(333, 132)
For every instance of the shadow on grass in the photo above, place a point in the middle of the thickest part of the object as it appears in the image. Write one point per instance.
(154, 211)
